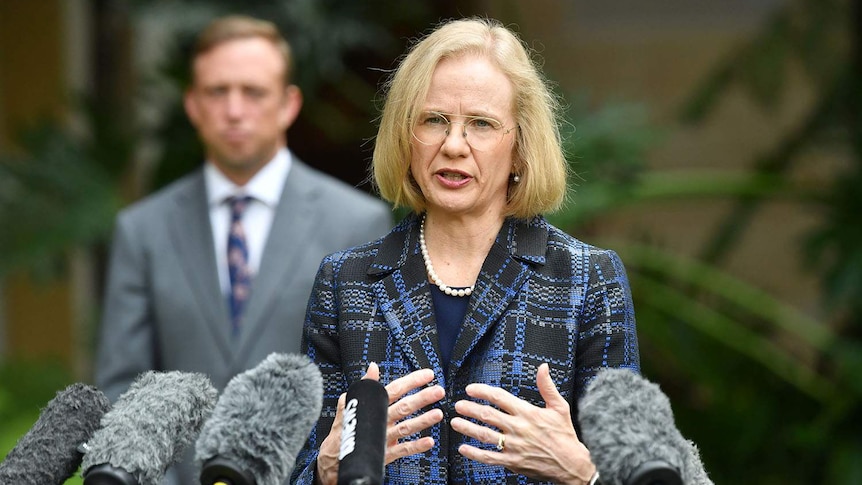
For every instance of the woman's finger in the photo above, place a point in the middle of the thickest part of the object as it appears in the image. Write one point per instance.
(403, 385)
(373, 372)
(481, 412)
(497, 396)
(475, 431)
(407, 427)
(408, 405)
(407, 448)
(548, 390)
(327, 458)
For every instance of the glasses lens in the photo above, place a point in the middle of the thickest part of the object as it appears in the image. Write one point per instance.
(431, 128)
(483, 133)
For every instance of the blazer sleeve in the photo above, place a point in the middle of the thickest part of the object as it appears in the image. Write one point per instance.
(320, 342)
(126, 334)
(607, 335)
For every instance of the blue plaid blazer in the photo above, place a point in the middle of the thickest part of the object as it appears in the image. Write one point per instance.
(541, 296)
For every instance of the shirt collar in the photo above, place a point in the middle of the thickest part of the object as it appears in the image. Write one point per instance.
(266, 185)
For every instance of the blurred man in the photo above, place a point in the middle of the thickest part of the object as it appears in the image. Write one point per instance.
(213, 273)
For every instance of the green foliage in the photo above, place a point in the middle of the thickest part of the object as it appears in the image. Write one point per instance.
(53, 198)
(770, 395)
(837, 246)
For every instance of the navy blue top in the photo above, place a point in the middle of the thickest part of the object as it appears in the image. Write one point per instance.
(449, 312)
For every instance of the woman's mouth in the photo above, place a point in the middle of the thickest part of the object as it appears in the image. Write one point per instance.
(453, 176)
(453, 180)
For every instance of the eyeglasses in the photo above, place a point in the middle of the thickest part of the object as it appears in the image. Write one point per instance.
(482, 133)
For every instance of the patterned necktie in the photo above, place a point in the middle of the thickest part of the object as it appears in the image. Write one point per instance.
(237, 262)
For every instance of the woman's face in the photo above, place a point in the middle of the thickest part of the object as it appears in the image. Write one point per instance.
(465, 175)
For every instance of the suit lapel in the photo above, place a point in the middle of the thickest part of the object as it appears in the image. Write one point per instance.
(191, 235)
(294, 217)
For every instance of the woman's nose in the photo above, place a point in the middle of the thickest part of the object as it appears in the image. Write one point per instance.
(456, 138)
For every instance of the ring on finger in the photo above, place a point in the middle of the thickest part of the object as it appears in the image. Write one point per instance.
(501, 442)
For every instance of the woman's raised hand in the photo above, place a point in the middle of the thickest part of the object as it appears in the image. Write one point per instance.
(533, 441)
(401, 405)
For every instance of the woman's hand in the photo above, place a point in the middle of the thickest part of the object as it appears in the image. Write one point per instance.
(540, 443)
(400, 406)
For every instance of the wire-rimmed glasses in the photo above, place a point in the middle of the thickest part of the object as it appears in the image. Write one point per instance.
(482, 133)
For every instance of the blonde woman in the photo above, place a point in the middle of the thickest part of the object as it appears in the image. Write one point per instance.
(484, 322)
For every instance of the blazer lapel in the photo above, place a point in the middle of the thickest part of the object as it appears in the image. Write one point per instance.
(404, 297)
(507, 268)
(191, 235)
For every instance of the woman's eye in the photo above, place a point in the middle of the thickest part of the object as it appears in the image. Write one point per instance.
(483, 123)
(432, 119)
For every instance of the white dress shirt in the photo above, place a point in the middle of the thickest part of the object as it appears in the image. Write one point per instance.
(265, 190)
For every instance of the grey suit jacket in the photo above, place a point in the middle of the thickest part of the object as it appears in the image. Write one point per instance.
(163, 307)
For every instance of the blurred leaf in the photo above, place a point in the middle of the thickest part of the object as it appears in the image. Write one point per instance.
(761, 68)
(811, 33)
(609, 143)
(702, 279)
(681, 290)
(598, 198)
(700, 104)
(820, 39)
(836, 246)
(52, 198)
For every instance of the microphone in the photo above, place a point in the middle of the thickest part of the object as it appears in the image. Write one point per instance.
(260, 423)
(363, 434)
(628, 426)
(148, 429)
(48, 453)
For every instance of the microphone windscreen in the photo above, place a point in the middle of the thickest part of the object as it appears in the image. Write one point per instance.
(628, 426)
(48, 453)
(150, 426)
(261, 421)
(363, 434)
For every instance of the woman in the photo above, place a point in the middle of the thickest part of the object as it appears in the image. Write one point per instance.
(485, 322)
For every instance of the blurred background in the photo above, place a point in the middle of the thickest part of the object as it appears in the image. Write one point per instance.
(717, 147)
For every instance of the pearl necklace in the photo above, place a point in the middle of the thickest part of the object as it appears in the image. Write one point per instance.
(433, 274)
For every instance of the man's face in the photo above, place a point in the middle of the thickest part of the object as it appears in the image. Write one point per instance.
(240, 105)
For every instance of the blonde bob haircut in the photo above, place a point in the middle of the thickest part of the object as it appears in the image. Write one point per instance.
(538, 161)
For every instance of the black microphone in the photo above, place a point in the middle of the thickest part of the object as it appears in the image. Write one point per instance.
(260, 423)
(48, 453)
(628, 426)
(149, 427)
(363, 434)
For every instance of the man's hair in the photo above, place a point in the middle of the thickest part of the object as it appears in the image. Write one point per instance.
(233, 27)
(538, 157)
